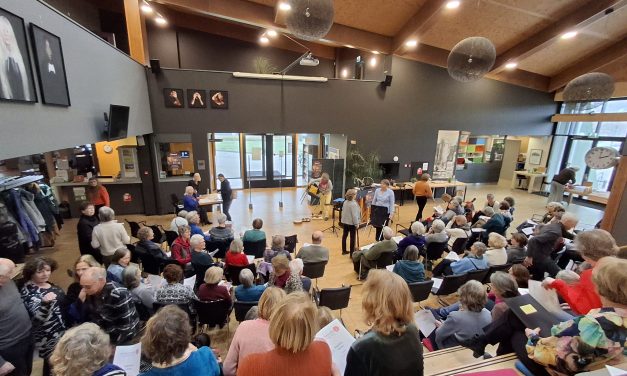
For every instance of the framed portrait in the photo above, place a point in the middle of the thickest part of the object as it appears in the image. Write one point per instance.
(535, 156)
(16, 72)
(196, 98)
(219, 99)
(173, 98)
(50, 67)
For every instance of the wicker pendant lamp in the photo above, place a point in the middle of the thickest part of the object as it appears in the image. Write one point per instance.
(589, 90)
(310, 19)
(471, 59)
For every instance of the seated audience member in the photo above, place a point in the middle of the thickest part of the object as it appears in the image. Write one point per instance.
(496, 253)
(568, 276)
(490, 203)
(468, 321)
(473, 260)
(252, 336)
(235, 256)
(84, 350)
(141, 292)
(511, 202)
(193, 219)
(540, 247)
(457, 228)
(181, 247)
(293, 327)
(283, 277)
(436, 233)
(497, 223)
(410, 268)
(325, 316)
(120, 260)
(81, 264)
(517, 251)
(504, 209)
(367, 259)
(277, 248)
(256, 234)
(503, 286)
(296, 267)
(211, 290)
(521, 275)
(581, 296)
(314, 252)
(190, 201)
(199, 255)
(166, 342)
(85, 228)
(179, 221)
(109, 305)
(146, 246)
(392, 346)
(221, 232)
(248, 291)
(582, 344)
(109, 235)
(453, 209)
(16, 343)
(43, 301)
(174, 292)
(551, 209)
(460, 208)
(417, 239)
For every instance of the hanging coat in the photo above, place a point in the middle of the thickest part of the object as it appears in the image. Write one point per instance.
(28, 202)
(14, 203)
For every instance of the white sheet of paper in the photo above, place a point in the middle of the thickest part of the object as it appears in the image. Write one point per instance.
(390, 267)
(425, 321)
(452, 256)
(484, 217)
(437, 282)
(438, 210)
(613, 371)
(155, 281)
(397, 239)
(425, 166)
(522, 291)
(531, 222)
(527, 231)
(571, 265)
(547, 298)
(191, 281)
(339, 341)
(127, 358)
(213, 253)
(250, 258)
(477, 229)
(366, 247)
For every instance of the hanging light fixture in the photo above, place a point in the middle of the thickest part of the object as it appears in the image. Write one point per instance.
(589, 90)
(471, 59)
(310, 19)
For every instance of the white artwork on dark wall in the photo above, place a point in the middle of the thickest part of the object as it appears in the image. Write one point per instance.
(444, 164)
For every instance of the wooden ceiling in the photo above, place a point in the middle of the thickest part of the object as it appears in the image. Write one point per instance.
(527, 32)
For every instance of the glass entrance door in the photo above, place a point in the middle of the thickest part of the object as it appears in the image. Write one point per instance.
(269, 160)
(577, 148)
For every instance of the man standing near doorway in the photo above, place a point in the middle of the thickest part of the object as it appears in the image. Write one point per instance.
(226, 192)
(564, 177)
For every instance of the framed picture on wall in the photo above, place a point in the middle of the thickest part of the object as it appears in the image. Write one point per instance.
(173, 98)
(16, 73)
(535, 156)
(219, 99)
(196, 98)
(50, 66)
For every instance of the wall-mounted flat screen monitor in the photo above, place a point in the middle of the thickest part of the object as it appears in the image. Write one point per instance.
(118, 122)
(184, 154)
(390, 170)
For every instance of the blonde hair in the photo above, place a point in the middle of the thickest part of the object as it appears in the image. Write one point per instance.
(610, 279)
(596, 244)
(269, 300)
(144, 233)
(472, 296)
(496, 240)
(294, 323)
(387, 302)
(213, 275)
(280, 262)
(81, 351)
(237, 246)
(350, 194)
(167, 335)
(87, 259)
(325, 316)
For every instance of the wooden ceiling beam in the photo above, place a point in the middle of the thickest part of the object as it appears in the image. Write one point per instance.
(418, 24)
(596, 61)
(587, 14)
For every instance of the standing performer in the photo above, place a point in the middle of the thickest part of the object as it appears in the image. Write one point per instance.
(422, 191)
(560, 181)
(384, 196)
(325, 187)
(351, 216)
(227, 195)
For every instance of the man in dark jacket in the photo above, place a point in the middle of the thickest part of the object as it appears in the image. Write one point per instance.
(85, 228)
(226, 193)
(541, 246)
(559, 182)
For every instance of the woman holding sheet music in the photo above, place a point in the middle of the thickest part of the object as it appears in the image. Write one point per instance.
(383, 197)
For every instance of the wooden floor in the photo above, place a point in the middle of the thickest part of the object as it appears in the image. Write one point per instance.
(277, 220)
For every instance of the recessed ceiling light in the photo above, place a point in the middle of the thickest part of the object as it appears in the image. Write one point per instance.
(344, 73)
(264, 39)
(453, 4)
(161, 21)
(376, 52)
(411, 43)
(373, 61)
(511, 65)
(272, 33)
(146, 8)
(284, 6)
(569, 35)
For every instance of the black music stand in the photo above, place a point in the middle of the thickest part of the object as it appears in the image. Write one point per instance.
(378, 217)
(337, 207)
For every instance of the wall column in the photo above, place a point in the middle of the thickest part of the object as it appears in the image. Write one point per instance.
(136, 31)
(615, 217)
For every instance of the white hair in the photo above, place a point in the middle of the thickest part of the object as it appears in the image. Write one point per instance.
(246, 277)
(221, 218)
(417, 228)
(570, 217)
(12, 51)
(196, 239)
(438, 226)
(296, 266)
(387, 232)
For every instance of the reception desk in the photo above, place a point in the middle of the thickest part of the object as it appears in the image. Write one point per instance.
(125, 194)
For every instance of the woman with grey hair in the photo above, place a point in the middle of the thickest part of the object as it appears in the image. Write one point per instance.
(453, 209)
(109, 235)
(351, 217)
(410, 268)
(277, 248)
(235, 256)
(141, 292)
(436, 232)
(248, 291)
(221, 232)
(417, 239)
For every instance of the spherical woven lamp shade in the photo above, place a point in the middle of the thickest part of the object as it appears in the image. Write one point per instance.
(471, 59)
(590, 90)
(310, 19)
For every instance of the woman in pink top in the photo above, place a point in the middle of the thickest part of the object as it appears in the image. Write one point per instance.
(253, 336)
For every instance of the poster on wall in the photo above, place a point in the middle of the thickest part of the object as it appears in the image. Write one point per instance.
(173, 98)
(219, 99)
(445, 155)
(16, 75)
(50, 66)
(174, 162)
(196, 98)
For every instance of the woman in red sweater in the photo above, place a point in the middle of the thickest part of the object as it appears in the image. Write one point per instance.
(234, 256)
(582, 296)
(293, 326)
(97, 194)
(181, 248)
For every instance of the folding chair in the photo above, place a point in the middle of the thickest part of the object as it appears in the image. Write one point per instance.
(420, 291)
(450, 284)
(335, 298)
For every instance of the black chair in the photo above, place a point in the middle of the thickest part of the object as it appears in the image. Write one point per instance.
(220, 245)
(159, 233)
(334, 298)
(386, 258)
(199, 270)
(156, 306)
(232, 272)
(450, 285)
(420, 291)
(214, 313)
(134, 256)
(314, 270)
(142, 311)
(290, 243)
(170, 237)
(176, 203)
(150, 264)
(255, 248)
(495, 268)
(436, 249)
(135, 226)
(459, 245)
(477, 275)
(241, 309)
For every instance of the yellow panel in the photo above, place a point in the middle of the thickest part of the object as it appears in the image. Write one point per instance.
(109, 163)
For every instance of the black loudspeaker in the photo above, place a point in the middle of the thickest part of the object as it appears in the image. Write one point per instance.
(387, 82)
(155, 66)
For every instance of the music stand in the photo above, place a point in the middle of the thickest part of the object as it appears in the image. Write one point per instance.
(337, 207)
(378, 217)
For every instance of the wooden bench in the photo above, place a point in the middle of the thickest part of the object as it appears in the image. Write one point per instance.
(506, 361)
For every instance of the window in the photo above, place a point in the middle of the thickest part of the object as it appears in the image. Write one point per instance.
(592, 129)
(612, 106)
(227, 158)
(176, 158)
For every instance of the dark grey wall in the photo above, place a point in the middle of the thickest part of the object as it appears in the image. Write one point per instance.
(97, 74)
